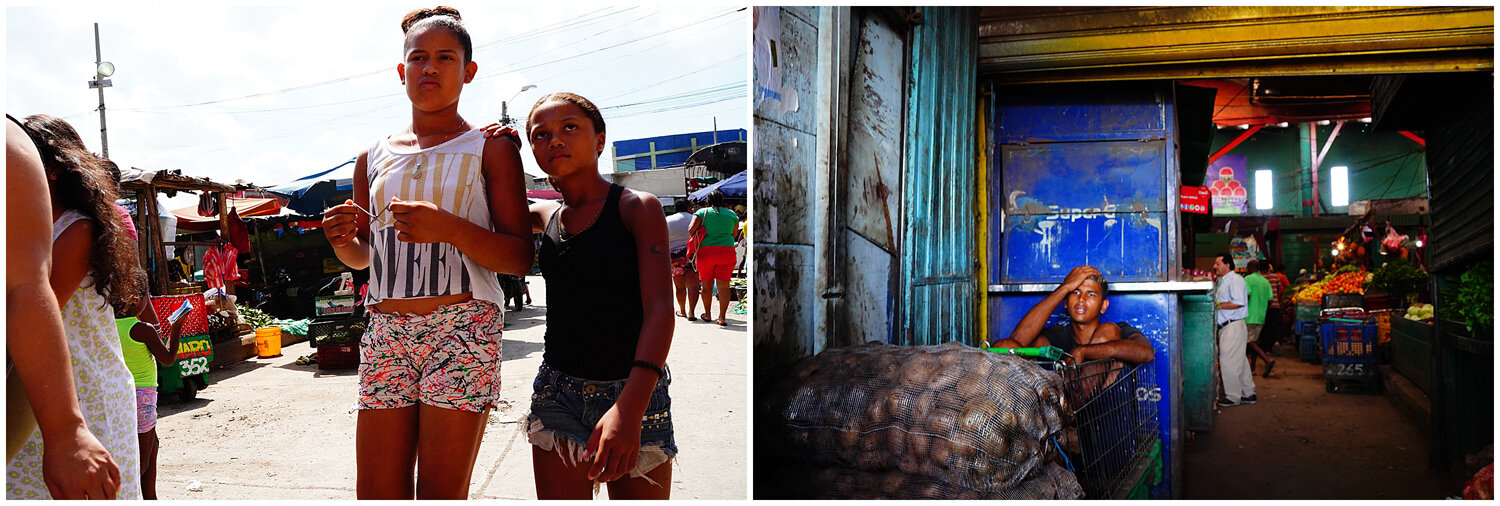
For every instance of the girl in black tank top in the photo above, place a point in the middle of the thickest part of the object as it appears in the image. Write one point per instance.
(600, 410)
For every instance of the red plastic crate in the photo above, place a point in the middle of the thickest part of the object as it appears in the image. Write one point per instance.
(338, 357)
(197, 319)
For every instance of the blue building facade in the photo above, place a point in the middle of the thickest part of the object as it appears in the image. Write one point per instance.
(667, 150)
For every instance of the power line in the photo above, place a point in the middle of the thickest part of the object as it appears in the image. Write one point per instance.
(555, 26)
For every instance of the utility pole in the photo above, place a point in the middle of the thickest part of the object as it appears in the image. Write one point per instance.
(716, 129)
(102, 69)
(505, 119)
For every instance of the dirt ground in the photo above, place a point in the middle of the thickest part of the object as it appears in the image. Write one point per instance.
(268, 428)
(1300, 442)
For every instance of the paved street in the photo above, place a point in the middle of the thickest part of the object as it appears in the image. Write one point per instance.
(271, 429)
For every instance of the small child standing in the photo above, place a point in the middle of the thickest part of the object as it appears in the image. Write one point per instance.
(143, 348)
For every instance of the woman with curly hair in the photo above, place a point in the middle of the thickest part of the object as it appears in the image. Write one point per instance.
(93, 268)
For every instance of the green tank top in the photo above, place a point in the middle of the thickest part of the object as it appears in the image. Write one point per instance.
(137, 357)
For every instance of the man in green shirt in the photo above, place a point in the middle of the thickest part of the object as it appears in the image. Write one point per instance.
(1259, 291)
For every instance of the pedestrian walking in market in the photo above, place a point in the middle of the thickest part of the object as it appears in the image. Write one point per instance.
(1231, 308)
(93, 265)
(38, 364)
(716, 255)
(600, 411)
(685, 283)
(430, 362)
(1261, 291)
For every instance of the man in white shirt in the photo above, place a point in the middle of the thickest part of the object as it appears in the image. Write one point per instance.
(1229, 316)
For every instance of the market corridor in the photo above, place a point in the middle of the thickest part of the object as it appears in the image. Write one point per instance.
(1300, 442)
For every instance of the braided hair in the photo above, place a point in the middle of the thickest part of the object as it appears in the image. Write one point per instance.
(81, 183)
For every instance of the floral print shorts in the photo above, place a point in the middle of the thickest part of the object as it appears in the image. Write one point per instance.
(682, 263)
(145, 409)
(449, 358)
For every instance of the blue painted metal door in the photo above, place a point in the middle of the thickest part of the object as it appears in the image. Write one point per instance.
(1087, 175)
(937, 251)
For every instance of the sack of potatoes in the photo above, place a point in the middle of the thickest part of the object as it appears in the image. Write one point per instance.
(948, 414)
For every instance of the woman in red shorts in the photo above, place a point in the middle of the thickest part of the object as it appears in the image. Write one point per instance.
(716, 254)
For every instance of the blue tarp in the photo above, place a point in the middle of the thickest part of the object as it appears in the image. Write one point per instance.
(309, 194)
(734, 188)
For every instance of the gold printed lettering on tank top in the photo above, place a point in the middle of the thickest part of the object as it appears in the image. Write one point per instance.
(439, 177)
(461, 190)
(420, 191)
(378, 190)
(405, 192)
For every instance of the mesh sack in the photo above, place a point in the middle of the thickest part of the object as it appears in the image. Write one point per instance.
(1051, 481)
(949, 413)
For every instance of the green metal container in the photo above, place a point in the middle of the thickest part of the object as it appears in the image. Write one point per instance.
(1411, 351)
(1199, 354)
(189, 373)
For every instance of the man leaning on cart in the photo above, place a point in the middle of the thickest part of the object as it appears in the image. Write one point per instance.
(1085, 337)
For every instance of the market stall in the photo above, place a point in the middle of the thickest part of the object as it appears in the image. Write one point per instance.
(213, 314)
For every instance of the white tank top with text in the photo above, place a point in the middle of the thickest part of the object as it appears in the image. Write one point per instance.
(449, 175)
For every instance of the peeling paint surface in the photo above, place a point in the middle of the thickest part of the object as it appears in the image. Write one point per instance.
(1053, 113)
(783, 303)
(865, 311)
(873, 152)
(783, 173)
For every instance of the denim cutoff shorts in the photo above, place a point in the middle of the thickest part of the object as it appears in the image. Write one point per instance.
(565, 409)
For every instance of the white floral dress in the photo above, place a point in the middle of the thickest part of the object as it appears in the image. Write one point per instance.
(106, 391)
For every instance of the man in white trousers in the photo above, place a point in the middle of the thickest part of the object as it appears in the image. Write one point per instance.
(1229, 315)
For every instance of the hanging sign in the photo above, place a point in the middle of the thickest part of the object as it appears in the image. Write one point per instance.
(1195, 199)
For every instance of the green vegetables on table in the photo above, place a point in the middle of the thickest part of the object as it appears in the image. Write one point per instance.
(255, 318)
(1399, 278)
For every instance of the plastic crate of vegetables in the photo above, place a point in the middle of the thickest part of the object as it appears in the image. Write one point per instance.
(336, 331)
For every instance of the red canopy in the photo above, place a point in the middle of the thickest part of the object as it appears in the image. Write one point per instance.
(189, 221)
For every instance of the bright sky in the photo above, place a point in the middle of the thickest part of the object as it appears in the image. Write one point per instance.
(268, 94)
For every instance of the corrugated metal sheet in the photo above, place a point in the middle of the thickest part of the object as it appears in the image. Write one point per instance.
(937, 248)
(1461, 161)
(1073, 44)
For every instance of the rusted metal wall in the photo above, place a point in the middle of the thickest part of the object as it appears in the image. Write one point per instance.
(1078, 44)
(872, 202)
(783, 180)
(937, 248)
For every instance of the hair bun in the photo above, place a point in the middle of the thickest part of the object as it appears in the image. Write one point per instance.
(413, 17)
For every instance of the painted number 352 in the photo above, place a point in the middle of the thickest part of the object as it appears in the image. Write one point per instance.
(1148, 394)
(194, 366)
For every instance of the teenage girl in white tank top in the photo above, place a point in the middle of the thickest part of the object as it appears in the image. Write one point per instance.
(437, 210)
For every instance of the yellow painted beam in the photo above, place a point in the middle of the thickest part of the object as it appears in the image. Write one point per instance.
(982, 238)
(1184, 42)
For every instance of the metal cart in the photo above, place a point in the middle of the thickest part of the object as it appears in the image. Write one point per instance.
(1112, 448)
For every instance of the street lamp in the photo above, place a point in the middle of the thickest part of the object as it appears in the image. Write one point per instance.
(505, 119)
(102, 69)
